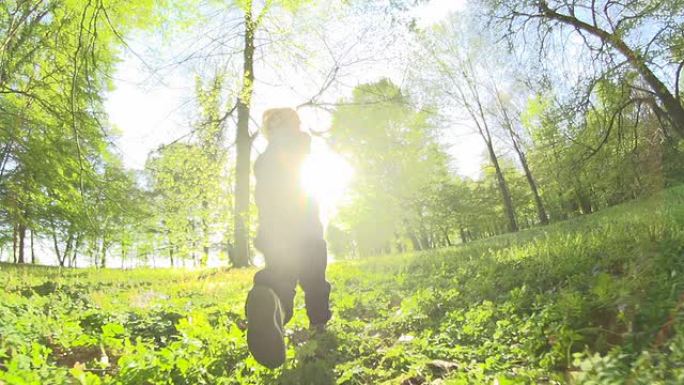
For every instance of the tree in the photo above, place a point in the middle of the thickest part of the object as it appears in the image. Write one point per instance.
(305, 60)
(56, 59)
(189, 184)
(509, 119)
(253, 22)
(458, 74)
(243, 141)
(396, 160)
(186, 186)
(644, 35)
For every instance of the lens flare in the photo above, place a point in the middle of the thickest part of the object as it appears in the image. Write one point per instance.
(326, 175)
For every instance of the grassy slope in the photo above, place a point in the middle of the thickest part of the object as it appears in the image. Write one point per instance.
(584, 300)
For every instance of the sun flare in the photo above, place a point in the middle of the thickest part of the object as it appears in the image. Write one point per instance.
(326, 176)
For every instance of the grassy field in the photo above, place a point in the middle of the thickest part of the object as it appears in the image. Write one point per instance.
(595, 300)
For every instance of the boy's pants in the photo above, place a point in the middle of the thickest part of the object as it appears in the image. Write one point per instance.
(306, 265)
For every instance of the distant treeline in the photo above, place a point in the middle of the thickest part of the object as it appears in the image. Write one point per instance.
(578, 112)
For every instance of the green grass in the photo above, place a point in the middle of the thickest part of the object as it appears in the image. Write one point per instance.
(592, 300)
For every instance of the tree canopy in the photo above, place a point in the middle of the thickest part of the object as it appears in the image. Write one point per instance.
(572, 106)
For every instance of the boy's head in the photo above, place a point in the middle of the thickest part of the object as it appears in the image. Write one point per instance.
(278, 121)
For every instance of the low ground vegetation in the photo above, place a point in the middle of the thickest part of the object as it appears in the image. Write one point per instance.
(592, 300)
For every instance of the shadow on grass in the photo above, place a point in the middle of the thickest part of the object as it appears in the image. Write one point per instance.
(314, 362)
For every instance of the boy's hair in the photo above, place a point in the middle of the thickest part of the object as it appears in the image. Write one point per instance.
(280, 119)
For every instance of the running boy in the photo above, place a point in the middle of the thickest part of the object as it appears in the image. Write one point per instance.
(290, 236)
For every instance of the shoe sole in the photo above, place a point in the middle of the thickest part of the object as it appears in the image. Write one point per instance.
(264, 335)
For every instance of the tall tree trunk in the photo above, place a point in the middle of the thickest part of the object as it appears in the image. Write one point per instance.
(67, 249)
(464, 236)
(56, 245)
(61, 257)
(4, 158)
(74, 253)
(14, 243)
(584, 203)
(22, 243)
(414, 241)
(123, 255)
(33, 251)
(205, 248)
(447, 239)
(541, 211)
(479, 116)
(503, 188)
(243, 143)
(92, 252)
(103, 253)
(508, 123)
(424, 240)
(171, 255)
(398, 244)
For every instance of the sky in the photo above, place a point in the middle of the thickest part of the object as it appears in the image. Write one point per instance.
(148, 110)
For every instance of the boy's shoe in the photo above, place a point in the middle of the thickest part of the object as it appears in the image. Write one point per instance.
(265, 327)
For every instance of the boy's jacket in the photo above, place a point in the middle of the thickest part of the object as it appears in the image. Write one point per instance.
(288, 217)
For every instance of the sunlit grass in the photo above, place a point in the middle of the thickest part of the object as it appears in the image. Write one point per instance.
(518, 308)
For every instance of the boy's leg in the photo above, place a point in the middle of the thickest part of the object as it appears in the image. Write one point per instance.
(283, 282)
(265, 327)
(269, 306)
(312, 267)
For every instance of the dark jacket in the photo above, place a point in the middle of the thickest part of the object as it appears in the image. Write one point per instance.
(288, 217)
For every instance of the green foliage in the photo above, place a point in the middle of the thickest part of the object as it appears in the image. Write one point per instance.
(610, 158)
(592, 300)
(398, 164)
(59, 178)
(189, 186)
(190, 195)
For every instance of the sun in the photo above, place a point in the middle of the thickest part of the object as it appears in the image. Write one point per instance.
(326, 175)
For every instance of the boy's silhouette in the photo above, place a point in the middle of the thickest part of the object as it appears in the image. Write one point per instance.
(290, 236)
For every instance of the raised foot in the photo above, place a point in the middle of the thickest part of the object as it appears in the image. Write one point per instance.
(265, 327)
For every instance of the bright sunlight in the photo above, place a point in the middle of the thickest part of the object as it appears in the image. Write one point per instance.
(326, 176)
(494, 192)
